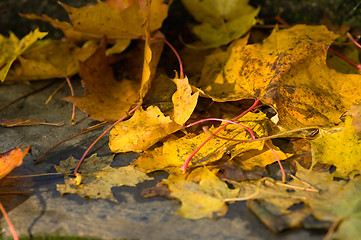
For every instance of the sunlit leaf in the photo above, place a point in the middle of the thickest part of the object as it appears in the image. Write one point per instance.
(12, 48)
(42, 60)
(340, 149)
(11, 159)
(183, 100)
(141, 131)
(288, 71)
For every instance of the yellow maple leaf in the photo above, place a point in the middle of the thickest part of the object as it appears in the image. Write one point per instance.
(288, 71)
(141, 131)
(12, 48)
(42, 60)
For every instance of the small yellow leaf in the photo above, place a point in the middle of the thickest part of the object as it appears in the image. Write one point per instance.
(141, 131)
(183, 100)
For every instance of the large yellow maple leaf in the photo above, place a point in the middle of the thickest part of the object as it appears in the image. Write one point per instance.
(287, 71)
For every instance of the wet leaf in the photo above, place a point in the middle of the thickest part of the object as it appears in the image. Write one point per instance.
(221, 21)
(12, 48)
(11, 159)
(141, 131)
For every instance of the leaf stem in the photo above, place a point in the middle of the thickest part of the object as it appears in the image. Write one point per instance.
(349, 36)
(76, 173)
(69, 138)
(186, 162)
(181, 73)
(11, 226)
(222, 120)
(72, 120)
(345, 58)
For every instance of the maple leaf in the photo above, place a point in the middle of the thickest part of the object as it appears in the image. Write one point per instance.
(141, 131)
(12, 48)
(98, 177)
(288, 71)
(108, 99)
(340, 149)
(96, 21)
(42, 61)
(183, 100)
(201, 199)
(174, 152)
(221, 21)
(11, 159)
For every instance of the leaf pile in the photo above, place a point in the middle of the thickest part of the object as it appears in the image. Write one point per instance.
(300, 117)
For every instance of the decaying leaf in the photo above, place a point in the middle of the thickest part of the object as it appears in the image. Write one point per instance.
(12, 48)
(288, 71)
(141, 131)
(341, 149)
(98, 177)
(11, 159)
(221, 21)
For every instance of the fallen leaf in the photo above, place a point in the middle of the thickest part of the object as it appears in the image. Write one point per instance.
(141, 131)
(183, 100)
(42, 60)
(101, 19)
(340, 149)
(98, 177)
(11, 159)
(12, 48)
(287, 71)
(204, 199)
(221, 22)
(105, 99)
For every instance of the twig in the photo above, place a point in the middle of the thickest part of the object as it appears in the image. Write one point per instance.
(26, 95)
(56, 90)
(65, 140)
(72, 120)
